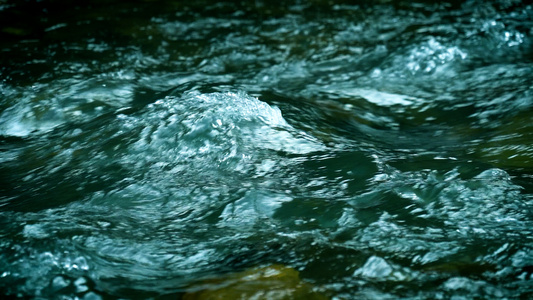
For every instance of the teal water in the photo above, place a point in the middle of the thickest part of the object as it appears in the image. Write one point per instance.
(383, 150)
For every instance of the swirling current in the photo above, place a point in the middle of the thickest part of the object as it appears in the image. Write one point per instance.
(266, 150)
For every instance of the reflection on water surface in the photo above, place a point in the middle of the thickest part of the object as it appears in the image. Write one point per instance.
(290, 150)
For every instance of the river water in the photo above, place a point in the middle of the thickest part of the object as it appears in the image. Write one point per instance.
(377, 150)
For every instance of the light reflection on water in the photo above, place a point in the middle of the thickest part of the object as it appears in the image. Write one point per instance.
(382, 150)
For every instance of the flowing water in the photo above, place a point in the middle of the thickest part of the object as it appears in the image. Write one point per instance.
(380, 149)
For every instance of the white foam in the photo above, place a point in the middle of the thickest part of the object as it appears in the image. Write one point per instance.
(381, 98)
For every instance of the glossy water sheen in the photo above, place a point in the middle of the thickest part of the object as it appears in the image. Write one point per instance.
(383, 149)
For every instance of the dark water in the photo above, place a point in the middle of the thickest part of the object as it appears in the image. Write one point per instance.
(381, 149)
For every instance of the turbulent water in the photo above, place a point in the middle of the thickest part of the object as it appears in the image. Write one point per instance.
(382, 149)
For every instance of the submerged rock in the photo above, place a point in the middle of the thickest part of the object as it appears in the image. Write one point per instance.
(270, 282)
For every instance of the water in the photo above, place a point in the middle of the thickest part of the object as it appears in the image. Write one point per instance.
(330, 150)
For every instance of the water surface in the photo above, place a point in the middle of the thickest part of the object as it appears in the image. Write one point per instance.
(375, 150)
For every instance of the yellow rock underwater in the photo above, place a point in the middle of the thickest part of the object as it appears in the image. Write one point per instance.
(270, 282)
